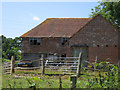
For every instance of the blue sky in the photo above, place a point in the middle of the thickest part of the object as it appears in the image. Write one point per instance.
(20, 17)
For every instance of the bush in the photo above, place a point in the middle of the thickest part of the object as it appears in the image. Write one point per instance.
(5, 60)
(108, 80)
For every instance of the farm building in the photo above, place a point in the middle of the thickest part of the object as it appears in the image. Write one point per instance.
(67, 37)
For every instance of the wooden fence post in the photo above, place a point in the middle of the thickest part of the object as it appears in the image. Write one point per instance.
(43, 64)
(12, 65)
(73, 80)
(60, 83)
(95, 64)
(119, 74)
(79, 65)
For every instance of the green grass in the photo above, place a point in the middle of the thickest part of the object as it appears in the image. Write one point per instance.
(87, 79)
(38, 71)
(46, 81)
(50, 80)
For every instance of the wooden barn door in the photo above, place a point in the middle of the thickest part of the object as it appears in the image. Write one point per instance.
(75, 53)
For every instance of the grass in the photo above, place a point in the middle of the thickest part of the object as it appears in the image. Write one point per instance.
(49, 80)
(46, 81)
(11, 82)
(87, 79)
(38, 72)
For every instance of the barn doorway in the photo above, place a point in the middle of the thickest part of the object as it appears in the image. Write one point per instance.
(75, 50)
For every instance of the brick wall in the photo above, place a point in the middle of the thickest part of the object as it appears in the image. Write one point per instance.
(47, 45)
(101, 38)
(104, 53)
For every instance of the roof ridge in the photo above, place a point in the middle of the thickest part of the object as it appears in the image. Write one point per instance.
(68, 18)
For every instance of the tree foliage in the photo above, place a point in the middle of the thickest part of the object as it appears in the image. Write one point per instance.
(109, 10)
(11, 47)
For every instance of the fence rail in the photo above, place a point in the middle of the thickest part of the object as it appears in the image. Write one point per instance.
(8, 67)
(64, 64)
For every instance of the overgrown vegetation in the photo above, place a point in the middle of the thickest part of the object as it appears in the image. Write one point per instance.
(105, 77)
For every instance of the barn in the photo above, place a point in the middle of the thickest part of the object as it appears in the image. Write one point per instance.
(67, 37)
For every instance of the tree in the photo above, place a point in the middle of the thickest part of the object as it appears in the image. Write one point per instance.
(11, 47)
(109, 10)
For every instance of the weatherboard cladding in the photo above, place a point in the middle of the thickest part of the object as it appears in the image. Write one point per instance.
(57, 27)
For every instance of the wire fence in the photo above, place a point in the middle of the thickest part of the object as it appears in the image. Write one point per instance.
(61, 64)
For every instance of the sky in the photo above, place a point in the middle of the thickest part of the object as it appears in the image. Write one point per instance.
(20, 17)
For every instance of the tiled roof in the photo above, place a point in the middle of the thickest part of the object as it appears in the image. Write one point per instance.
(57, 27)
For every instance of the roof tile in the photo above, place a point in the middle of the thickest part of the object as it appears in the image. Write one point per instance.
(57, 27)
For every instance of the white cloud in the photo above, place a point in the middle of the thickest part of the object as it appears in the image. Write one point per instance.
(36, 18)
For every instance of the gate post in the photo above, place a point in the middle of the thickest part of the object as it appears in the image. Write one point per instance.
(60, 83)
(12, 65)
(43, 64)
(73, 80)
(119, 74)
(95, 64)
(79, 65)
